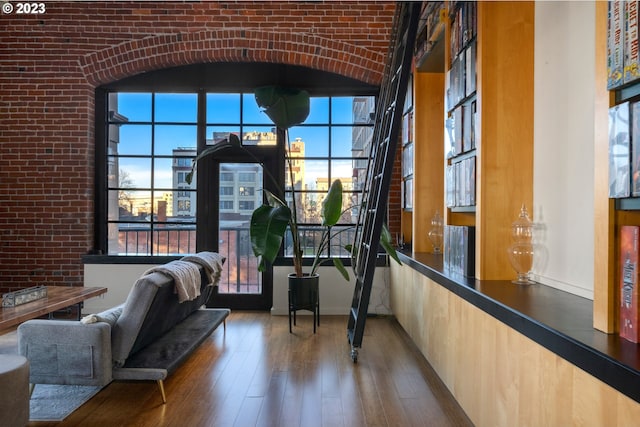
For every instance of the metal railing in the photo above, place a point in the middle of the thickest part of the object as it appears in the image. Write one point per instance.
(240, 275)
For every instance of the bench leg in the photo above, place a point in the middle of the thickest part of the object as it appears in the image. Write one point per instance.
(161, 385)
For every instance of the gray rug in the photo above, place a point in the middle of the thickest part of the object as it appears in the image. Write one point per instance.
(56, 402)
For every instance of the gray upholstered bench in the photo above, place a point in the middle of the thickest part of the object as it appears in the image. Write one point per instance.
(146, 338)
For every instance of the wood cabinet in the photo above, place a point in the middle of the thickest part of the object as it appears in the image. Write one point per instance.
(504, 49)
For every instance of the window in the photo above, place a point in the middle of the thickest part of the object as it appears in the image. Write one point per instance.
(246, 177)
(333, 143)
(226, 205)
(246, 205)
(151, 144)
(150, 138)
(246, 191)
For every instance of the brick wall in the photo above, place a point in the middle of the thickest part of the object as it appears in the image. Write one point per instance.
(50, 64)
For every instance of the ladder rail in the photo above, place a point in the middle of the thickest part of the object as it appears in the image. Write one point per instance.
(380, 165)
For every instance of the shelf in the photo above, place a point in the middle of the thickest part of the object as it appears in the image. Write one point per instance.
(432, 61)
(629, 204)
(557, 320)
(463, 209)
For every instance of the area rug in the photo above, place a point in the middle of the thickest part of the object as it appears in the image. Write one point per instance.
(56, 402)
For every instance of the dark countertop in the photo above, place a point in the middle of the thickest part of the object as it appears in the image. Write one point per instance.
(557, 320)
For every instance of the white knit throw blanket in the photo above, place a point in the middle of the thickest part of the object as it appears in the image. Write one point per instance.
(212, 263)
(186, 276)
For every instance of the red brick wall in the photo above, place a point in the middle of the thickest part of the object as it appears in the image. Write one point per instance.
(50, 64)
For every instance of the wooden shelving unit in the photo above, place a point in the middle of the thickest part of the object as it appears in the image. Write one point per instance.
(504, 133)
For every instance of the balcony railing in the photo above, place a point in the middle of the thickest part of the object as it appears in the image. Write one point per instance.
(240, 274)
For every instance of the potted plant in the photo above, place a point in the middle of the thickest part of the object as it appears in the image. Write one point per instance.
(287, 107)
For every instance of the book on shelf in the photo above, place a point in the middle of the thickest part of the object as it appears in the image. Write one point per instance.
(407, 160)
(470, 68)
(457, 129)
(463, 26)
(629, 321)
(459, 250)
(430, 27)
(631, 53)
(615, 43)
(619, 151)
(470, 197)
(457, 81)
(466, 127)
(450, 186)
(474, 129)
(635, 149)
(408, 194)
(449, 137)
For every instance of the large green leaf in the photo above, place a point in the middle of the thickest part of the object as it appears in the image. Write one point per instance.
(340, 266)
(385, 242)
(286, 107)
(267, 229)
(332, 204)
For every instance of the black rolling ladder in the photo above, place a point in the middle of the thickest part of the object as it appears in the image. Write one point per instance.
(380, 164)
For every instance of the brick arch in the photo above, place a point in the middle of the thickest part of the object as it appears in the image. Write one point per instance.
(232, 45)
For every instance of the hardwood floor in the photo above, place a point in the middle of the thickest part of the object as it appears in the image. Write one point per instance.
(258, 374)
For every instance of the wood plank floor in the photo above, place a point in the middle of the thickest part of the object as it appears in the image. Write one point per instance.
(258, 374)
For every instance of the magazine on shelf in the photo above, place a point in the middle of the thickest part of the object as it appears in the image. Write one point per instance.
(629, 322)
(619, 151)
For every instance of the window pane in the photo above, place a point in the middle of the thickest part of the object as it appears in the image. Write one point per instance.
(129, 239)
(170, 239)
(134, 205)
(251, 113)
(318, 111)
(342, 110)
(364, 109)
(134, 172)
(342, 141)
(176, 107)
(130, 139)
(340, 237)
(166, 176)
(342, 169)
(132, 107)
(169, 138)
(223, 108)
(310, 141)
(177, 206)
(216, 134)
(307, 173)
(259, 136)
(361, 141)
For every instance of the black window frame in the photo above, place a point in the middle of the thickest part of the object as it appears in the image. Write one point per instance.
(203, 79)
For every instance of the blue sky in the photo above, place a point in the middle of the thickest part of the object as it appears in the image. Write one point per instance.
(223, 110)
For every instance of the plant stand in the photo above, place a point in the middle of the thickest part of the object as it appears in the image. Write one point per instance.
(304, 295)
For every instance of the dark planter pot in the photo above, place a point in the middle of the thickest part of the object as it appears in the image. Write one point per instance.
(304, 294)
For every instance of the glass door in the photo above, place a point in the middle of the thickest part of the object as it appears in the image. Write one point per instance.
(241, 285)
